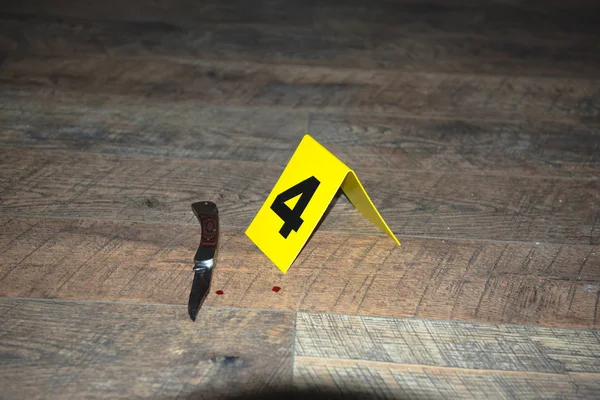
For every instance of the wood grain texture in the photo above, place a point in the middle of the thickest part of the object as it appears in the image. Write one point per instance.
(492, 38)
(118, 125)
(400, 358)
(250, 84)
(91, 350)
(475, 129)
(520, 148)
(373, 380)
(452, 344)
(556, 285)
(455, 17)
(187, 130)
(414, 203)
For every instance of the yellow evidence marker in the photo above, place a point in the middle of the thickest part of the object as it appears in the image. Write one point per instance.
(299, 199)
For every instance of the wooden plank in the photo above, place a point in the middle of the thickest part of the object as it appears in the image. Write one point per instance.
(398, 381)
(452, 344)
(400, 358)
(407, 35)
(95, 350)
(557, 18)
(186, 130)
(524, 148)
(414, 203)
(115, 125)
(555, 285)
(246, 84)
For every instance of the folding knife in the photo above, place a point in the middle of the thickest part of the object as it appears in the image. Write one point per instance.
(205, 259)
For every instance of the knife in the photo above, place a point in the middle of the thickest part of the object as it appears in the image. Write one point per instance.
(205, 259)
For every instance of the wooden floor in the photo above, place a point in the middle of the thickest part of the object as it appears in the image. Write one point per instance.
(474, 127)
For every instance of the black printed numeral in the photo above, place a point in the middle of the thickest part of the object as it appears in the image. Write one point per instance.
(292, 217)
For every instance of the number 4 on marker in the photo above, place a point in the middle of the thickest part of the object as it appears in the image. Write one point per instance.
(292, 217)
(300, 198)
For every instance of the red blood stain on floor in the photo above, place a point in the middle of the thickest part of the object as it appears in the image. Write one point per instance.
(276, 289)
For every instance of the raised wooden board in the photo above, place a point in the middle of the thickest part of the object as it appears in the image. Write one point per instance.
(541, 283)
(98, 350)
(413, 358)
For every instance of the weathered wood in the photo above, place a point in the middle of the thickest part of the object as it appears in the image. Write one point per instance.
(557, 285)
(247, 84)
(524, 148)
(412, 358)
(407, 35)
(375, 380)
(414, 203)
(474, 128)
(452, 344)
(557, 19)
(96, 350)
(148, 127)
(186, 130)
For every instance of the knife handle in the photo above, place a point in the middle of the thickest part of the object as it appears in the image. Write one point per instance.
(208, 215)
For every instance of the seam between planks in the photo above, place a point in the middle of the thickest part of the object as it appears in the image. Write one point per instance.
(296, 312)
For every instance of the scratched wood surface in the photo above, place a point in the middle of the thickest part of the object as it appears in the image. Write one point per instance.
(474, 127)
(414, 358)
(416, 203)
(90, 350)
(126, 126)
(327, 89)
(546, 284)
(399, 381)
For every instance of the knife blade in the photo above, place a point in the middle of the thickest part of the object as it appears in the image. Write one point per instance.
(205, 259)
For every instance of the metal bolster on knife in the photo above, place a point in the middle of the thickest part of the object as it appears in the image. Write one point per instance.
(205, 259)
